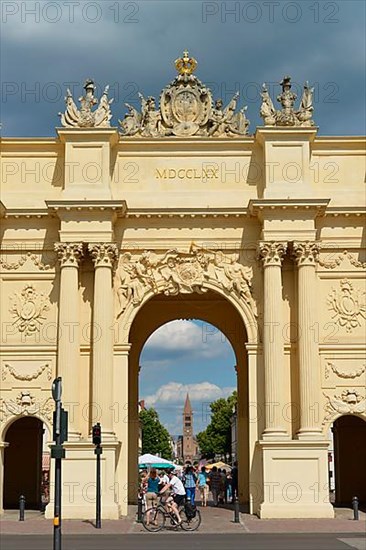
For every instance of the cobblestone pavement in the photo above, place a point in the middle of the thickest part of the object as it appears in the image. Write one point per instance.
(214, 520)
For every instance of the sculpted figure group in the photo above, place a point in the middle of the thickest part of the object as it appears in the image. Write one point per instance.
(288, 116)
(180, 273)
(186, 108)
(86, 117)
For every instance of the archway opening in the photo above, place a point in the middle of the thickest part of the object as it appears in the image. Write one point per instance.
(23, 463)
(211, 319)
(349, 437)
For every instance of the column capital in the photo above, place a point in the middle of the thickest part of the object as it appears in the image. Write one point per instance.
(69, 254)
(103, 254)
(271, 252)
(305, 253)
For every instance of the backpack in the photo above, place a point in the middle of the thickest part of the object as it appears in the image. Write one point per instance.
(190, 510)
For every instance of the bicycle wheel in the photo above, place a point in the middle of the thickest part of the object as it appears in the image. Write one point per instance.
(153, 520)
(190, 524)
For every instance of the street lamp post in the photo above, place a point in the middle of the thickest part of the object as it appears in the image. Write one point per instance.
(58, 453)
(97, 440)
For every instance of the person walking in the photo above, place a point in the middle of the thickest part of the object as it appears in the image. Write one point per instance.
(234, 481)
(190, 482)
(228, 487)
(215, 485)
(152, 491)
(202, 485)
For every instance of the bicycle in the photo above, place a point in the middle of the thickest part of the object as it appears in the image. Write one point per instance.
(158, 515)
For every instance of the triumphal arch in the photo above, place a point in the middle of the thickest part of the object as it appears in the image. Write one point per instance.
(108, 233)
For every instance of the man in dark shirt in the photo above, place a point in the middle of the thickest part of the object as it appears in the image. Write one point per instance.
(215, 484)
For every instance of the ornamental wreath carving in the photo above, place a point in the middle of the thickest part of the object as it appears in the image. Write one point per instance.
(343, 373)
(181, 273)
(348, 305)
(28, 308)
(349, 402)
(24, 405)
(29, 376)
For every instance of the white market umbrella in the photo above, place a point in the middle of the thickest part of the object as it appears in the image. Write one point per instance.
(152, 461)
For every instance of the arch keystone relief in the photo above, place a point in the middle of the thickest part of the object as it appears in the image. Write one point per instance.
(25, 404)
(350, 401)
(181, 273)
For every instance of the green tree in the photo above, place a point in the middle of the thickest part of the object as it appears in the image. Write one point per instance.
(216, 438)
(155, 438)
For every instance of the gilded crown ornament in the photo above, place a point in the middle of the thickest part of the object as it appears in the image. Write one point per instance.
(186, 108)
(185, 64)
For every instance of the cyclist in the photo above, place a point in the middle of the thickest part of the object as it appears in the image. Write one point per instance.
(178, 494)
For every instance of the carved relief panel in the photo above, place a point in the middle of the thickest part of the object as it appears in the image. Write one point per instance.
(176, 273)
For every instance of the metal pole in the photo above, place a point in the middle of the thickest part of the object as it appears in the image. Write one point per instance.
(57, 504)
(139, 508)
(21, 507)
(236, 510)
(355, 508)
(98, 520)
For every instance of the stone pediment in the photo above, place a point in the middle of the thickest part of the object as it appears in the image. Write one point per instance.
(186, 108)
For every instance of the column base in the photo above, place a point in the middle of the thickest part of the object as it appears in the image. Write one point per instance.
(309, 434)
(79, 481)
(295, 479)
(73, 436)
(275, 434)
(302, 511)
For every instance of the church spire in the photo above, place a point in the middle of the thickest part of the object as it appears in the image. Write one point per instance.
(187, 406)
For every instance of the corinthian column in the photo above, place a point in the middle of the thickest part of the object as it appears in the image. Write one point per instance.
(305, 255)
(272, 254)
(68, 351)
(104, 256)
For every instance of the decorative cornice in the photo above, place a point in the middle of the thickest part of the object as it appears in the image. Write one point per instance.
(103, 254)
(271, 253)
(191, 213)
(69, 254)
(118, 207)
(305, 253)
(315, 207)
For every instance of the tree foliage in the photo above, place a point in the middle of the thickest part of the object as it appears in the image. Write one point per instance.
(155, 437)
(216, 438)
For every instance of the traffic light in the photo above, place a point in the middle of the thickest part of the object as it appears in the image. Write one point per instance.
(97, 434)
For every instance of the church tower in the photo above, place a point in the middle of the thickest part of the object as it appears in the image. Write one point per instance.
(189, 444)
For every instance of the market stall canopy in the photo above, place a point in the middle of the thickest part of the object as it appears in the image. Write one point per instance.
(220, 464)
(152, 461)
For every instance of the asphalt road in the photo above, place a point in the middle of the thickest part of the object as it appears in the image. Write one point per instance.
(184, 541)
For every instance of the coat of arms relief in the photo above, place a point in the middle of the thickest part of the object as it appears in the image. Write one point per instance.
(186, 108)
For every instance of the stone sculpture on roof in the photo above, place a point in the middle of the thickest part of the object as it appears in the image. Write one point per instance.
(185, 109)
(288, 116)
(86, 117)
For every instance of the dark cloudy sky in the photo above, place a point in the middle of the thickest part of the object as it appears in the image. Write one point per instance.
(131, 45)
